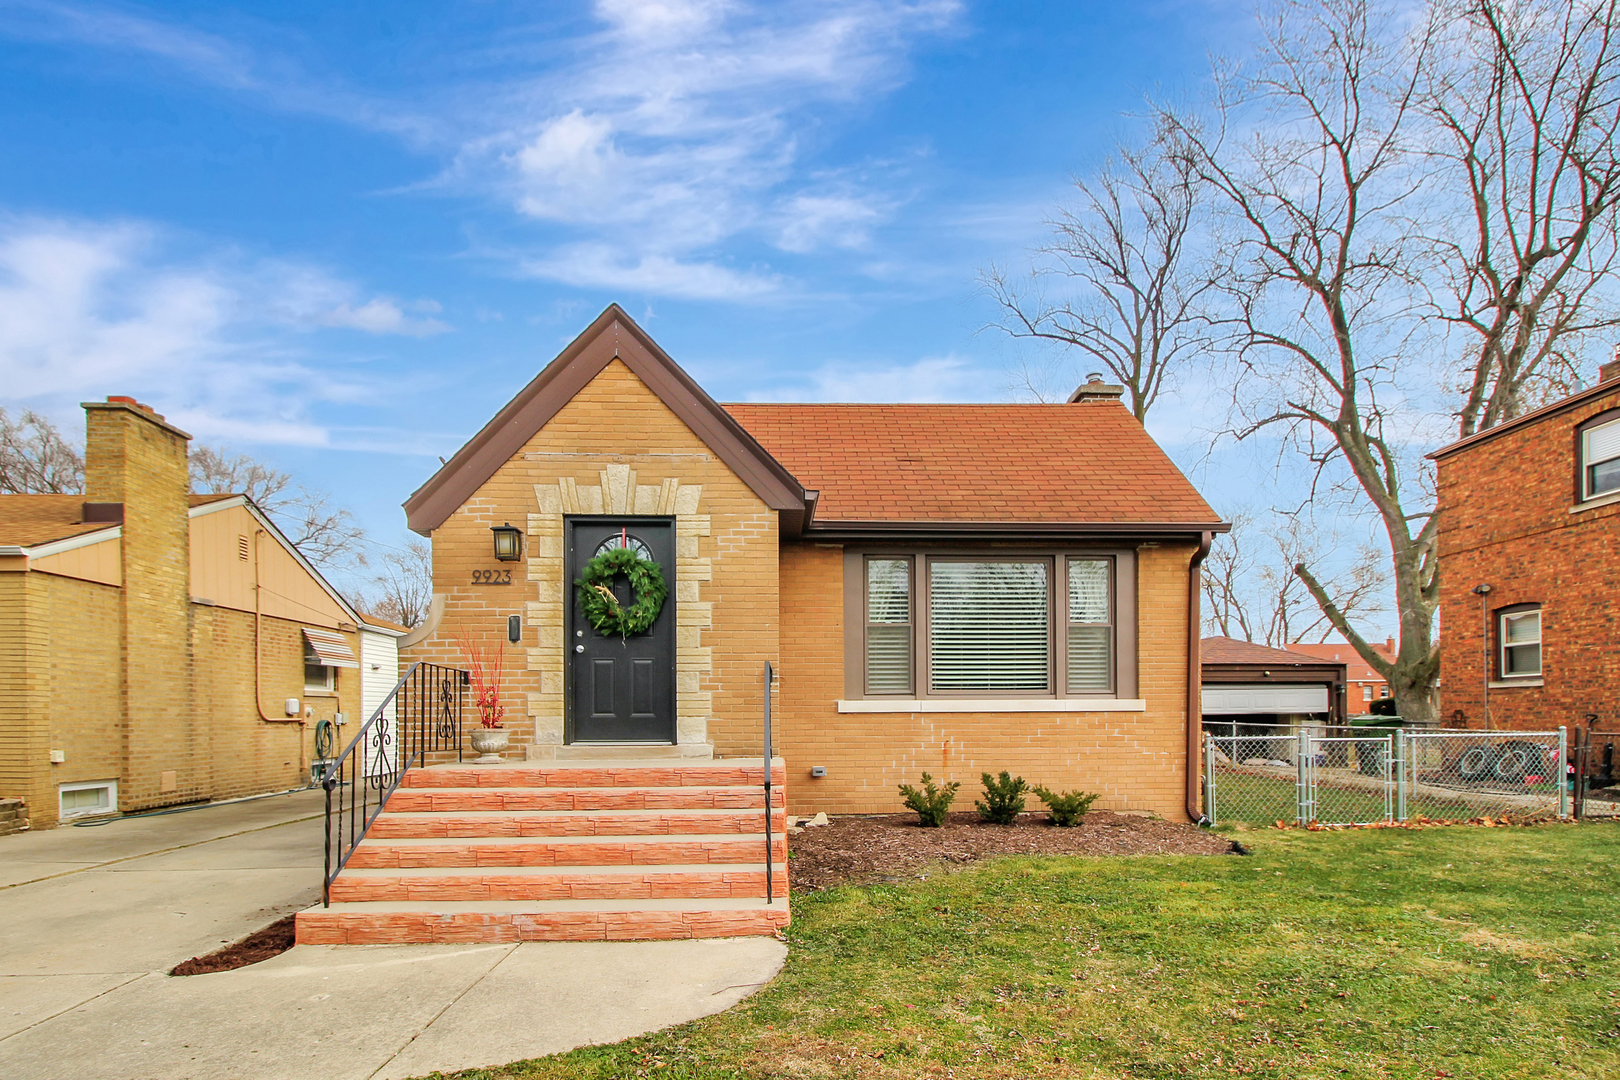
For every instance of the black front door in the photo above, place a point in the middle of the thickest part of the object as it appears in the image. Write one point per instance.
(621, 690)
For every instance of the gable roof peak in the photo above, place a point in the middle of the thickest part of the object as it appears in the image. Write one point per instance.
(612, 335)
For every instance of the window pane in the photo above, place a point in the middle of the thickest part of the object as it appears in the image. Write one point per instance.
(1521, 660)
(1602, 459)
(1090, 660)
(888, 659)
(1603, 477)
(1088, 591)
(1521, 629)
(888, 591)
(988, 625)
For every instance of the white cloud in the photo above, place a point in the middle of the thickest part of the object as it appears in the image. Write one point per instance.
(91, 309)
(599, 266)
(931, 379)
(680, 127)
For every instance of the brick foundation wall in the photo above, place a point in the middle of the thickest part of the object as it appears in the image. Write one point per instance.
(616, 448)
(24, 688)
(249, 755)
(1137, 761)
(1506, 519)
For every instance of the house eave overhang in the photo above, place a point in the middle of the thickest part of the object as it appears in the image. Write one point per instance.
(1013, 530)
(1574, 401)
(1215, 672)
(614, 335)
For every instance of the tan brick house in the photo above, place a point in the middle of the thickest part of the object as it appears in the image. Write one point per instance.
(1529, 540)
(949, 588)
(159, 648)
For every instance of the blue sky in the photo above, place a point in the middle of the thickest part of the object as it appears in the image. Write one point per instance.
(339, 237)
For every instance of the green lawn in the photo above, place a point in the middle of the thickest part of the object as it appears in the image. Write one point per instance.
(1263, 800)
(1465, 952)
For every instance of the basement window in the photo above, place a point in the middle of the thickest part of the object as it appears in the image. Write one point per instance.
(92, 797)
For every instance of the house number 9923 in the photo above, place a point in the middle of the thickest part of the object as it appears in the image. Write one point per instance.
(492, 577)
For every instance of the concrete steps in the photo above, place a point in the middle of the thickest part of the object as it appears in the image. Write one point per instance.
(565, 851)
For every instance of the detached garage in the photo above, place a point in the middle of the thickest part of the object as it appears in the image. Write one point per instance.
(1249, 684)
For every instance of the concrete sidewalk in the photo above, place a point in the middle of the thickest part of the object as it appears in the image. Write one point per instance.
(94, 917)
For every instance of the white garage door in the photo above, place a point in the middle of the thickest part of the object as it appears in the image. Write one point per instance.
(1232, 700)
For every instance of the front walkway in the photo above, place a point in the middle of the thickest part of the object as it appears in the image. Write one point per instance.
(94, 917)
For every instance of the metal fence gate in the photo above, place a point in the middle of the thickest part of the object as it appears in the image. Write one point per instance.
(1262, 774)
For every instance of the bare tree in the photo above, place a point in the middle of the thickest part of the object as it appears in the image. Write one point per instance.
(1526, 97)
(1124, 256)
(403, 590)
(1331, 194)
(35, 459)
(326, 536)
(1250, 586)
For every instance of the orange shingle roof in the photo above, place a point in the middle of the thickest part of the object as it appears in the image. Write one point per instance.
(1082, 463)
(31, 520)
(27, 520)
(1225, 650)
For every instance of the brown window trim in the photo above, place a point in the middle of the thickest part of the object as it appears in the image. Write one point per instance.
(1596, 420)
(1122, 594)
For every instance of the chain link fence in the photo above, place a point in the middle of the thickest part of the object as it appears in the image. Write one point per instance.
(1260, 774)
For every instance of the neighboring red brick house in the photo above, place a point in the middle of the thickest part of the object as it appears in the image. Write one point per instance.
(1530, 566)
(1364, 684)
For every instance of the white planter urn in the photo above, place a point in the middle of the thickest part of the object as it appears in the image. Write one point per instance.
(489, 742)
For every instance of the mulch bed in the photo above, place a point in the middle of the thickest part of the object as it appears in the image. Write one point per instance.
(273, 940)
(893, 847)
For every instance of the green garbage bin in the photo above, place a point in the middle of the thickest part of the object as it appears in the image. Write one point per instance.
(1370, 753)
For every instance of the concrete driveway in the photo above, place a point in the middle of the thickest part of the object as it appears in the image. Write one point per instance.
(94, 917)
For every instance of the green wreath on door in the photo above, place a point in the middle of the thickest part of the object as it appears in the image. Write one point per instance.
(603, 609)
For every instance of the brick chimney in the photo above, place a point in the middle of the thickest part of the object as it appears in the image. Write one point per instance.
(1095, 390)
(134, 457)
(1611, 370)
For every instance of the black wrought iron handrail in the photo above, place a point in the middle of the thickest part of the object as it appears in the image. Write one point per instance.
(421, 715)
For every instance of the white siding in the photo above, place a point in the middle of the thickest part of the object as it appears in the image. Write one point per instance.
(379, 669)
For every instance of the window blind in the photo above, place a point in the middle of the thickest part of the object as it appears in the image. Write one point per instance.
(988, 626)
(888, 626)
(1091, 660)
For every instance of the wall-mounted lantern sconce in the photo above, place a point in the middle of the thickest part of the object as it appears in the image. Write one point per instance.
(508, 542)
(514, 628)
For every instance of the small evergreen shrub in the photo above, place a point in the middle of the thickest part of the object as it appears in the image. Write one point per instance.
(1068, 808)
(932, 803)
(1003, 798)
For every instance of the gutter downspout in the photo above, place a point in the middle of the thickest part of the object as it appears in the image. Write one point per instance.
(258, 638)
(1195, 679)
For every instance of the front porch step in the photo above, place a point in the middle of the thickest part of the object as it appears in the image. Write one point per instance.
(389, 923)
(583, 799)
(729, 772)
(432, 884)
(564, 851)
(497, 823)
(633, 752)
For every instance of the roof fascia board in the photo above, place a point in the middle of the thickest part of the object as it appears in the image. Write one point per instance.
(613, 335)
(72, 543)
(1574, 401)
(309, 567)
(1015, 530)
(217, 505)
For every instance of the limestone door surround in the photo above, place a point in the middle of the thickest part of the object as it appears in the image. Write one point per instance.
(619, 493)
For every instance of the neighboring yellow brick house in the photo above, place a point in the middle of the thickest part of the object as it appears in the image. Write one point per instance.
(159, 648)
(950, 588)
